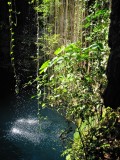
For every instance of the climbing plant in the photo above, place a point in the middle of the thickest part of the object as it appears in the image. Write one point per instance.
(73, 75)
(76, 70)
(13, 23)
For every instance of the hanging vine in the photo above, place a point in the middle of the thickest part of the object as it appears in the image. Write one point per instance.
(38, 52)
(13, 23)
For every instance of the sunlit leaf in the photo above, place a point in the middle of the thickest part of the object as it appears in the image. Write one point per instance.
(59, 50)
(44, 66)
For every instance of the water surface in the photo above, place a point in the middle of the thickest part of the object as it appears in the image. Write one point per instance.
(25, 137)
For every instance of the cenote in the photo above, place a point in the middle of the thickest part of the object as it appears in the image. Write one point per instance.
(59, 80)
(24, 137)
(23, 134)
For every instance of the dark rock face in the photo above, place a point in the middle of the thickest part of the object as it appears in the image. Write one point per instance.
(24, 50)
(6, 72)
(111, 94)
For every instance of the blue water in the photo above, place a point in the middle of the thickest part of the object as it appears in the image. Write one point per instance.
(24, 137)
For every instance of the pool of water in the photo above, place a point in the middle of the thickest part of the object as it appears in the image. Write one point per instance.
(25, 137)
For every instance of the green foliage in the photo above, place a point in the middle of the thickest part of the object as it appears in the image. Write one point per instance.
(97, 139)
(70, 84)
(73, 78)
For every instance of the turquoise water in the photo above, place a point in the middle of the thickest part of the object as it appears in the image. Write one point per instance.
(24, 137)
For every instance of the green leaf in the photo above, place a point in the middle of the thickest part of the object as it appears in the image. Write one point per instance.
(76, 135)
(44, 66)
(68, 157)
(53, 61)
(59, 50)
(71, 48)
(94, 46)
(9, 3)
(105, 145)
(33, 97)
(100, 45)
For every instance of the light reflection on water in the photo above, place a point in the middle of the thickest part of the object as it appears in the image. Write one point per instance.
(29, 121)
(41, 136)
(29, 129)
(16, 131)
(30, 138)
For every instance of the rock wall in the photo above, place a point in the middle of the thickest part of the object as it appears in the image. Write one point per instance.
(6, 72)
(111, 95)
(25, 48)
